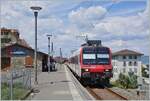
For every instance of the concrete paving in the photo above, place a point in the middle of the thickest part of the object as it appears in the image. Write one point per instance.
(56, 85)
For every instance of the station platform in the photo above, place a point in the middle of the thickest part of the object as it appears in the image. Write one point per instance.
(59, 85)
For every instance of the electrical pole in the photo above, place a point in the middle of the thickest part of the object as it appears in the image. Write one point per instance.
(49, 52)
(86, 38)
(60, 53)
(52, 49)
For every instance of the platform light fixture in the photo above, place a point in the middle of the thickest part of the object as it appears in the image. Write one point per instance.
(35, 10)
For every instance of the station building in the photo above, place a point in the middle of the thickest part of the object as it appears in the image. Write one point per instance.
(15, 52)
(16, 55)
(126, 61)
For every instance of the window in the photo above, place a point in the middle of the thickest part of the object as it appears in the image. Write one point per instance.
(124, 57)
(135, 63)
(130, 69)
(130, 63)
(102, 55)
(124, 63)
(102, 58)
(135, 70)
(130, 57)
(89, 56)
(124, 70)
(5, 40)
(135, 57)
(7, 33)
(114, 57)
(115, 70)
(96, 56)
(2, 33)
(113, 63)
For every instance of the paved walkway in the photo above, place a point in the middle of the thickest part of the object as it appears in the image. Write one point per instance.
(56, 86)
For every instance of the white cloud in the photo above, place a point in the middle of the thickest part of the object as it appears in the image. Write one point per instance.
(84, 17)
(15, 14)
(132, 25)
(50, 24)
(135, 44)
(130, 32)
(117, 32)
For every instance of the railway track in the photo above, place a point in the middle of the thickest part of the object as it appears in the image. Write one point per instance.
(105, 94)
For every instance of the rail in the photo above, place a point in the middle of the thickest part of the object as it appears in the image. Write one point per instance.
(105, 94)
(82, 91)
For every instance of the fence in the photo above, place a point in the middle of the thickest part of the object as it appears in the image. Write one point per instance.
(144, 87)
(16, 83)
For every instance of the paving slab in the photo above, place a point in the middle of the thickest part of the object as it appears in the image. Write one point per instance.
(56, 85)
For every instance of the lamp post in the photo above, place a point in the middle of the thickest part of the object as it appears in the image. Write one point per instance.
(49, 36)
(35, 9)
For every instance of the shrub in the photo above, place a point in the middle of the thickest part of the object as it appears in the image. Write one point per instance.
(127, 81)
(144, 74)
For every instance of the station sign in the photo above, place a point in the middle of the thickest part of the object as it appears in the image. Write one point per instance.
(18, 53)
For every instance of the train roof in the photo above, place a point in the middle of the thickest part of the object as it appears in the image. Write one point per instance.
(84, 47)
(89, 44)
(92, 43)
(94, 46)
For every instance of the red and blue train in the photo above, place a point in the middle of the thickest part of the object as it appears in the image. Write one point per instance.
(92, 63)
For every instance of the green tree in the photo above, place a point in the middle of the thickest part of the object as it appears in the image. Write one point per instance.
(144, 74)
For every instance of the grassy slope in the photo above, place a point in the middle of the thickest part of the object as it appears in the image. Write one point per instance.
(18, 91)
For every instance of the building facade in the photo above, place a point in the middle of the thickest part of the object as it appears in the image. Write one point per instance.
(16, 55)
(11, 36)
(126, 61)
(15, 52)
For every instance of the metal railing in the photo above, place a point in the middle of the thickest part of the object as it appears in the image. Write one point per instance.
(16, 83)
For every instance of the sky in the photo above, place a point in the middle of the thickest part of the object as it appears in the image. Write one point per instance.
(120, 24)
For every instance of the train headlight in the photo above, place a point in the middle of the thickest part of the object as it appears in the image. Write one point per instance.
(86, 70)
(107, 70)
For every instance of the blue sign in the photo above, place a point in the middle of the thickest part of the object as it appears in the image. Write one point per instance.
(18, 53)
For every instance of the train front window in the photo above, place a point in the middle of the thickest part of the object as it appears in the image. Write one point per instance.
(89, 58)
(95, 56)
(102, 58)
